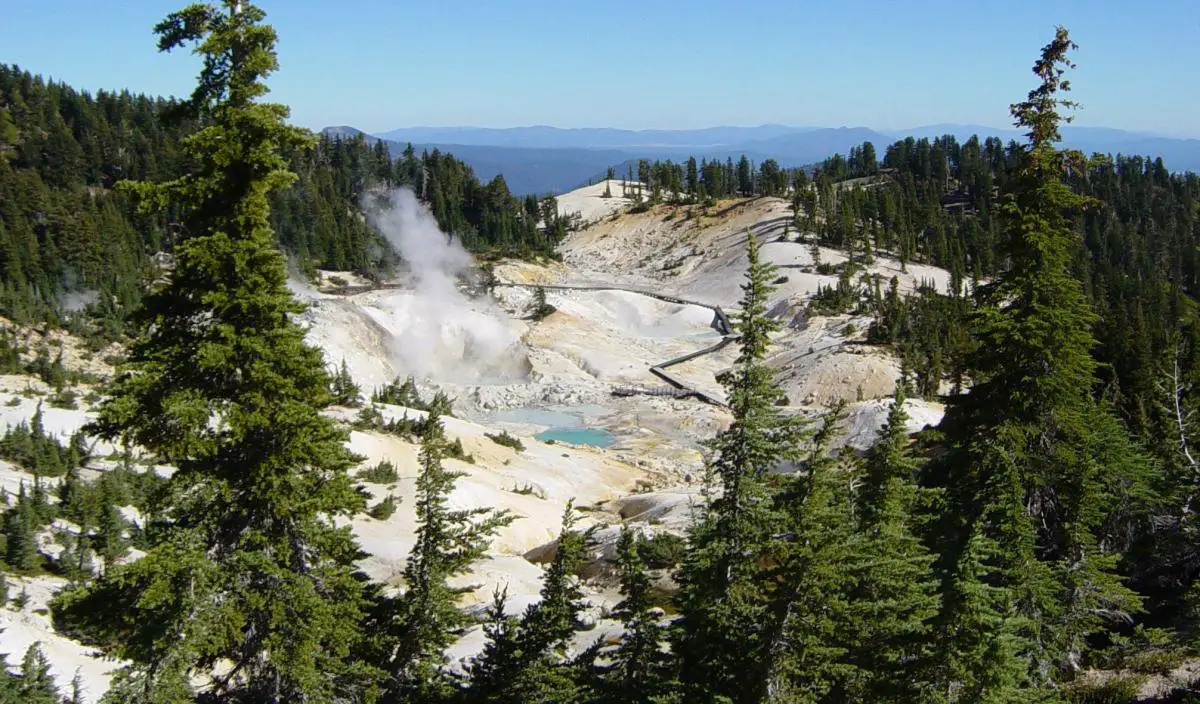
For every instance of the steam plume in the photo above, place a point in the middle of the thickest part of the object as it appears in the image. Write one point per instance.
(439, 332)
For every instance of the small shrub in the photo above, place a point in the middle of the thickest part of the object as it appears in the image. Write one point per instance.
(114, 360)
(1114, 690)
(384, 509)
(780, 280)
(398, 393)
(338, 281)
(456, 451)
(382, 473)
(371, 418)
(849, 330)
(1155, 661)
(663, 550)
(13, 402)
(541, 309)
(345, 391)
(65, 398)
(527, 490)
(506, 440)
(1147, 651)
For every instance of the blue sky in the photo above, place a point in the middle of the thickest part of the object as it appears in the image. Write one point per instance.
(654, 64)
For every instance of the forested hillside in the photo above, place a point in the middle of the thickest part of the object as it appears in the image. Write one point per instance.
(938, 202)
(69, 238)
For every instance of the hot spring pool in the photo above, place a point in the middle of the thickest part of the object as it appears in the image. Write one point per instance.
(578, 436)
(576, 425)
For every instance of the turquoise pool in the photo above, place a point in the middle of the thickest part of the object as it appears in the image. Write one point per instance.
(578, 436)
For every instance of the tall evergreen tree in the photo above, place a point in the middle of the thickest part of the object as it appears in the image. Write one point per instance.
(895, 595)
(525, 660)
(723, 601)
(1037, 473)
(251, 573)
(19, 532)
(638, 664)
(37, 685)
(808, 629)
(9, 684)
(423, 621)
(77, 690)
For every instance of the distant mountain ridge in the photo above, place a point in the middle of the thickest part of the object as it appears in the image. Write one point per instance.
(542, 136)
(544, 159)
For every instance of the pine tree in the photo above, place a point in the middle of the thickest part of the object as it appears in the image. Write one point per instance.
(745, 177)
(110, 542)
(500, 659)
(423, 620)
(638, 664)
(77, 689)
(895, 598)
(723, 600)
(251, 572)
(9, 685)
(541, 308)
(525, 661)
(345, 392)
(985, 641)
(37, 685)
(1038, 477)
(19, 530)
(807, 628)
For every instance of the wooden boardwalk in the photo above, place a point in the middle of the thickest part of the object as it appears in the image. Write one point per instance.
(677, 388)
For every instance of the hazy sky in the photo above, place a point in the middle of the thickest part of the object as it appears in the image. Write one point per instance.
(654, 64)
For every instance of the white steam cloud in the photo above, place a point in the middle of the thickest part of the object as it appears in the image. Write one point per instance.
(75, 301)
(439, 332)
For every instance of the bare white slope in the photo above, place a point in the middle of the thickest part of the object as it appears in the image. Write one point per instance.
(684, 251)
(21, 628)
(589, 201)
(700, 254)
(533, 485)
(551, 474)
(866, 419)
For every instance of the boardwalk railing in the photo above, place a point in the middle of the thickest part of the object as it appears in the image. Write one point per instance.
(677, 389)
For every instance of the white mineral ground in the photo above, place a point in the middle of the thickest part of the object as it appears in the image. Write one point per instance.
(507, 372)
